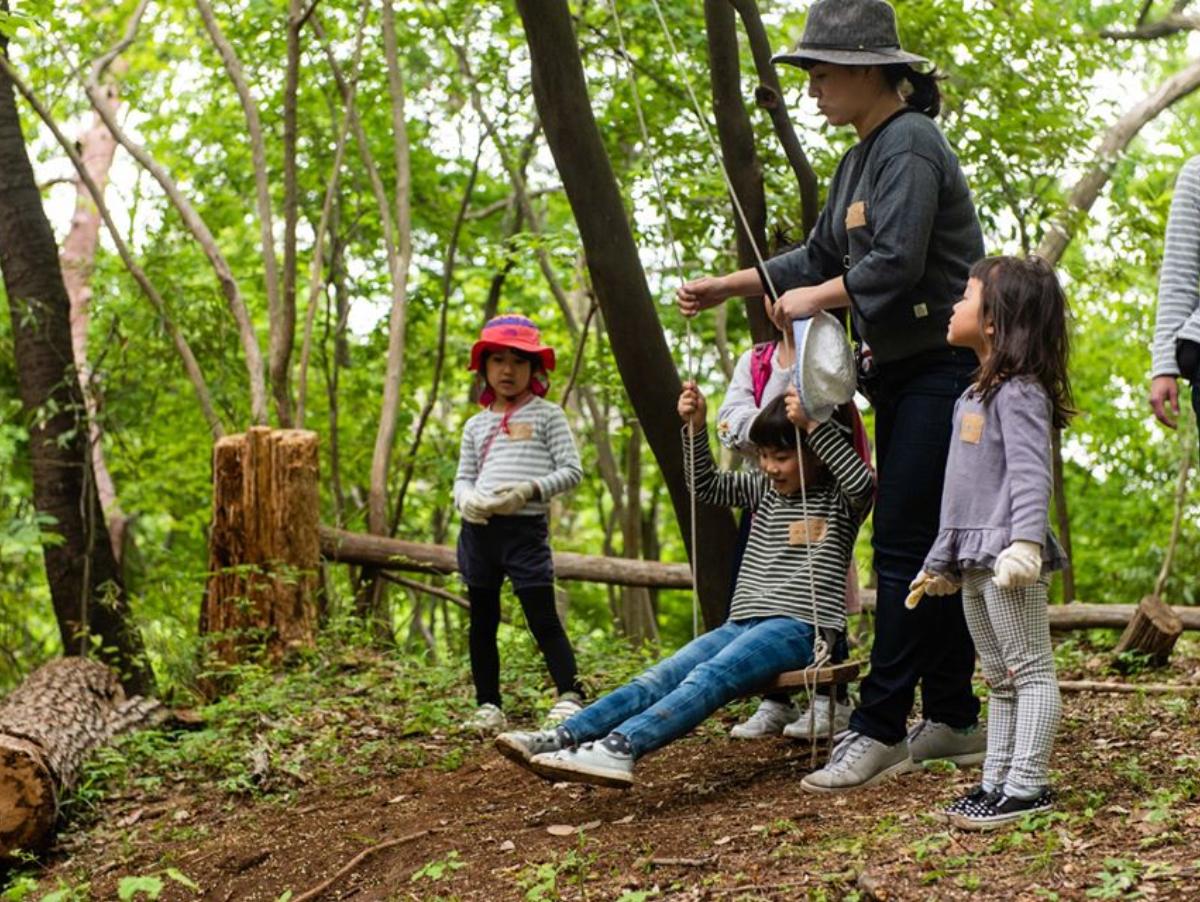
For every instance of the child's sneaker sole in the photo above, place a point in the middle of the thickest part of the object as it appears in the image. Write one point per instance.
(559, 770)
(513, 751)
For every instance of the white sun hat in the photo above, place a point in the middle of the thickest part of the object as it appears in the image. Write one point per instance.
(824, 373)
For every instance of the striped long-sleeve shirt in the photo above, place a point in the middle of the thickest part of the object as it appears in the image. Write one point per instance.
(1179, 282)
(537, 447)
(774, 577)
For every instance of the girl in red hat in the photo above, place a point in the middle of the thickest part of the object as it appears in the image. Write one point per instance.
(516, 454)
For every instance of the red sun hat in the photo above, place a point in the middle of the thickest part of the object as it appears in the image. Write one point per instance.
(511, 331)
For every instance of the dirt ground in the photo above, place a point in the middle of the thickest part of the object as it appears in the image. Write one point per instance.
(709, 819)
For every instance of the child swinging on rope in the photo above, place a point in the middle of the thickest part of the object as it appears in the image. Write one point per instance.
(995, 539)
(771, 625)
(761, 375)
(515, 455)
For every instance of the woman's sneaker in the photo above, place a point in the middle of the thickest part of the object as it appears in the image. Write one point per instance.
(591, 763)
(487, 720)
(770, 719)
(859, 761)
(816, 719)
(930, 740)
(568, 705)
(999, 809)
(520, 746)
(968, 802)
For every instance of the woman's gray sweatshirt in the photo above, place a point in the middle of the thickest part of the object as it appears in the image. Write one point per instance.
(900, 225)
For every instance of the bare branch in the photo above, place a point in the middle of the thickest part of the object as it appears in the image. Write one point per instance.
(581, 346)
(315, 283)
(1172, 23)
(279, 345)
(196, 225)
(191, 367)
(440, 359)
(769, 97)
(1116, 139)
(507, 203)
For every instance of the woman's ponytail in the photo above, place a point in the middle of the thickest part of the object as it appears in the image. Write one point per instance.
(919, 89)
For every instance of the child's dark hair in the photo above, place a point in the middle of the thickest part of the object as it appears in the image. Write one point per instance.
(772, 428)
(1024, 304)
(535, 362)
(922, 92)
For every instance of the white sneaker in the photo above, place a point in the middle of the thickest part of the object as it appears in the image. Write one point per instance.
(769, 720)
(568, 705)
(859, 761)
(588, 763)
(487, 720)
(816, 718)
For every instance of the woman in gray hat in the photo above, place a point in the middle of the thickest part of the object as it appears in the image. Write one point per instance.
(893, 243)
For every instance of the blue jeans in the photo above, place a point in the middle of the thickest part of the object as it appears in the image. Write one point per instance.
(676, 694)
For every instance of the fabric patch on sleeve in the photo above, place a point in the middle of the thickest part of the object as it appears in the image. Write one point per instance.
(972, 428)
(856, 215)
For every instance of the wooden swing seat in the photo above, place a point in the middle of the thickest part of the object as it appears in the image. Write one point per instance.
(832, 675)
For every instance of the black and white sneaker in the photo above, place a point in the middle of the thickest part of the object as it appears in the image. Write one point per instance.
(998, 810)
(972, 799)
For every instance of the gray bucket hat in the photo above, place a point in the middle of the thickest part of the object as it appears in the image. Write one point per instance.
(850, 33)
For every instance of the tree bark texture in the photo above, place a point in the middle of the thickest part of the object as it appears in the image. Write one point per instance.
(769, 97)
(637, 613)
(78, 258)
(85, 583)
(738, 153)
(640, 349)
(263, 550)
(48, 727)
(1153, 630)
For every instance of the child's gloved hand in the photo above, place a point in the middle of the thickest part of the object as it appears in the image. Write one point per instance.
(476, 507)
(928, 583)
(1019, 565)
(512, 497)
(691, 406)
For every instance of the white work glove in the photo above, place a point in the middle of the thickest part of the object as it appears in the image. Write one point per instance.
(1018, 566)
(512, 497)
(476, 507)
(930, 584)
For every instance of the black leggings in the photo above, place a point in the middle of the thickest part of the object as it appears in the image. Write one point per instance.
(538, 604)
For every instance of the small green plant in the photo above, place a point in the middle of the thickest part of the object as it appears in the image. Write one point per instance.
(150, 886)
(438, 868)
(1118, 880)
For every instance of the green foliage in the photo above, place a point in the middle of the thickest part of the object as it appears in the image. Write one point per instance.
(438, 868)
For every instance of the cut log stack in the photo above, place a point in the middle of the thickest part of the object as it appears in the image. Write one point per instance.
(263, 550)
(1153, 630)
(48, 726)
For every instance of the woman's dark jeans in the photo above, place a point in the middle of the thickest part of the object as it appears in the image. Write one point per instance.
(930, 645)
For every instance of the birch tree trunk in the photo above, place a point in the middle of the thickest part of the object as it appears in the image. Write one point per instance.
(78, 258)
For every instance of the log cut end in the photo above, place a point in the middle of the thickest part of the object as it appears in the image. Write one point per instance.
(28, 805)
(1153, 630)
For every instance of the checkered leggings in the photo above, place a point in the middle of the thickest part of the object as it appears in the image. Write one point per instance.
(1011, 630)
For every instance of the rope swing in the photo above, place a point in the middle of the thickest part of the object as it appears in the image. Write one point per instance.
(821, 652)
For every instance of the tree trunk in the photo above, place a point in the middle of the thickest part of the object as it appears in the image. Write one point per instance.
(639, 346)
(78, 258)
(48, 727)
(85, 584)
(1153, 630)
(263, 550)
(737, 148)
(637, 614)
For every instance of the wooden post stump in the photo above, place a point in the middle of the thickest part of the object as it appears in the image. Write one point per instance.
(264, 550)
(48, 726)
(1153, 630)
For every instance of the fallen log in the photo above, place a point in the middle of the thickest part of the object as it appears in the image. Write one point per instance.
(48, 727)
(1081, 616)
(396, 554)
(1128, 688)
